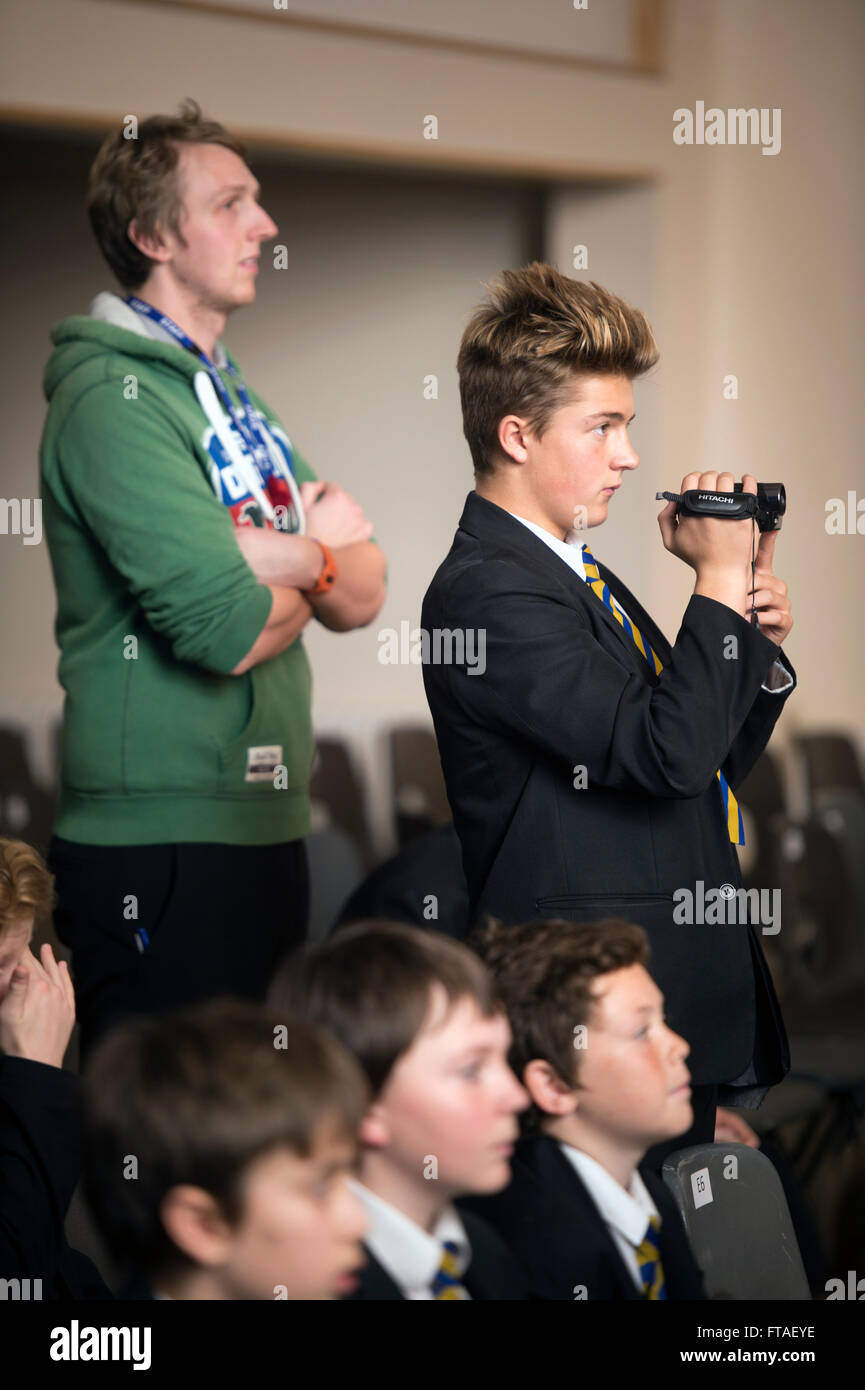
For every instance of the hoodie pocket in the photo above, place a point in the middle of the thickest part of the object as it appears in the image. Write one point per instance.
(274, 749)
(228, 750)
(175, 722)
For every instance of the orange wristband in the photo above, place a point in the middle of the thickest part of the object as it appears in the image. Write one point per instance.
(327, 577)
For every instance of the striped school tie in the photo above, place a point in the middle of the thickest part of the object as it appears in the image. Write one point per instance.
(732, 813)
(649, 1260)
(447, 1281)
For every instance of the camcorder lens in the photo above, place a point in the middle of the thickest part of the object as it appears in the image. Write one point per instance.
(771, 504)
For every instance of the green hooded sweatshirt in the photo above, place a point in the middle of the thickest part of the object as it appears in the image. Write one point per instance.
(156, 605)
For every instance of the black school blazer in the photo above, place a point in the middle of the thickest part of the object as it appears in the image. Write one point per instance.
(493, 1273)
(40, 1156)
(563, 686)
(548, 1219)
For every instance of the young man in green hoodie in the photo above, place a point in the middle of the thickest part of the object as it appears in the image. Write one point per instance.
(190, 544)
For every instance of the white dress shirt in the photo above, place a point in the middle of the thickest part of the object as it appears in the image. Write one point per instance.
(410, 1255)
(571, 551)
(626, 1214)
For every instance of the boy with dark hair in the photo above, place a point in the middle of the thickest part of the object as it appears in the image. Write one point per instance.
(421, 1015)
(218, 1141)
(607, 1078)
(590, 765)
(191, 545)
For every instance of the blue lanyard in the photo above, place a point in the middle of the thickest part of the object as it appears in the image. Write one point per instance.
(246, 420)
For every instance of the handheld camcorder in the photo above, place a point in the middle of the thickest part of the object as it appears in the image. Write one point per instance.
(766, 507)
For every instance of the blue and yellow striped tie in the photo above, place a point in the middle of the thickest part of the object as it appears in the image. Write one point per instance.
(649, 1260)
(446, 1284)
(732, 813)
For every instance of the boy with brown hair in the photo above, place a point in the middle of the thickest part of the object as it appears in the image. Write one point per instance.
(421, 1015)
(590, 764)
(607, 1078)
(39, 1114)
(218, 1141)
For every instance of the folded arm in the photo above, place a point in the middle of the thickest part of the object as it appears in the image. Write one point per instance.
(288, 561)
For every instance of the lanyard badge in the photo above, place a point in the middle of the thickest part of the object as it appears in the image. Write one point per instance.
(246, 419)
(270, 463)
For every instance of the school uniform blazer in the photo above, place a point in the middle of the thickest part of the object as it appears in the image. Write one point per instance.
(550, 1222)
(493, 1273)
(39, 1168)
(561, 686)
(137, 1289)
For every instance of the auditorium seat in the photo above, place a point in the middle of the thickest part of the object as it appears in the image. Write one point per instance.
(762, 797)
(418, 789)
(338, 798)
(335, 870)
(26, 808)
(738, 1222)
(830, 761)
(819, 947)
(827, 1050)
(842, 815)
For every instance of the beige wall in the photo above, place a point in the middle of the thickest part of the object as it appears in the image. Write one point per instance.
(746, 263)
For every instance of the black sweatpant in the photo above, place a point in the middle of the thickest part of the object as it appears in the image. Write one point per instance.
(153, 927)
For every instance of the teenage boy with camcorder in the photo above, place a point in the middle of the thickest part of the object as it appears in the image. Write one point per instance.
(592, 766)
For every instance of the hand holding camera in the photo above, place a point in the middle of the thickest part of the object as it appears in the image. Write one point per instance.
(769, 594)
(717, 549)
(711, 527)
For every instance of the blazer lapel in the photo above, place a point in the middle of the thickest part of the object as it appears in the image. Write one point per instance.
(492, 523)
(557, 1176)
(635, 610)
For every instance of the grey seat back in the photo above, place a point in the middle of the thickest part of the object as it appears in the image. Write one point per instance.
(738, 1222)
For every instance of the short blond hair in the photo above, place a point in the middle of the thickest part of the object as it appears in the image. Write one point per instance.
(26, 885)
(525, 347)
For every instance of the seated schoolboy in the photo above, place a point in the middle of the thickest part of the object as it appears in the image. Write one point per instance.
(607, 1079)
(218, 1142)
(421, 1014)
(39, 1101)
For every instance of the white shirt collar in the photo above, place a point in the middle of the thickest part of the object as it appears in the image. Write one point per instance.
(629, 1211)
(410, 1255)
(570, 549)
